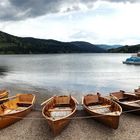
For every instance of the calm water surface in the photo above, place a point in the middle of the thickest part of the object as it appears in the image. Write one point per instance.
(76, 72)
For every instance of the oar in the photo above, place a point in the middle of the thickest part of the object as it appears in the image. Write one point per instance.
(33, 99)
(8, 98)
(47, 101)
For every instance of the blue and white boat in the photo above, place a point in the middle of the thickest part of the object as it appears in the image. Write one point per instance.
(134, 59)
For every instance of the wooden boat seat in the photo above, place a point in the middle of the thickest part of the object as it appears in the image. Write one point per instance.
(10, 110)
(107, 111)
(59, 112)
(60, 109)
(60, 100)
(113, 113)
(100, 108)
(94, 107)
(103, 110)
(24, 104)
(91, 99)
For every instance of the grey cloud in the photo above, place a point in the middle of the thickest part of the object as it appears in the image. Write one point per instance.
(23, 9)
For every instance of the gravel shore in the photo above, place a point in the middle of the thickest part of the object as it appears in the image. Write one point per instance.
(34, 126)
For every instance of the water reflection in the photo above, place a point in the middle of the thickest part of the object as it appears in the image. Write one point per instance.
(3, 70)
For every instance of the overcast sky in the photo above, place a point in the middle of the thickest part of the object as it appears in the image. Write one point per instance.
(95, 21)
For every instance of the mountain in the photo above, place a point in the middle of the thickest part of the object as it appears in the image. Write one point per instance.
(106, 47)
(126, 49)
(10, 44)
(88, 46)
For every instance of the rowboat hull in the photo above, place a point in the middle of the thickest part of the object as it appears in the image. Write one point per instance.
(126, 101)
(10, 119)
(109, 119)
(57, 125)
(129, 108)
(131, 63)
(15, 109)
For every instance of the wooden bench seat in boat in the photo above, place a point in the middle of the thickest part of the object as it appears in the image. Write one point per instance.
(100, 108)
(94, 107)
(93, 99)
(103, 109)
(11, 111)
(23, 104)
(59, 112)
(60, 109)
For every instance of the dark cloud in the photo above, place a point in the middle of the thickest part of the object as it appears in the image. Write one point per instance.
(22, 9)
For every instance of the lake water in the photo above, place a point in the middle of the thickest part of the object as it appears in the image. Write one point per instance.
(75, 72)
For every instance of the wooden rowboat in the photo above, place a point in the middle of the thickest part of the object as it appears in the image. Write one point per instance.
(127, 101)
(58, 111)
(15, 109)
(102, 109)
(3, 94)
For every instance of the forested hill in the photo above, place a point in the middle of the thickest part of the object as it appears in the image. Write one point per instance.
(10, 44)
(126, 49)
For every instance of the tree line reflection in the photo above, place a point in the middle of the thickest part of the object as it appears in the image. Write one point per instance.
(3, 70)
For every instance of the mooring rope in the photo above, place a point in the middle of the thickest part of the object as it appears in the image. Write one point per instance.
(69, 118)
